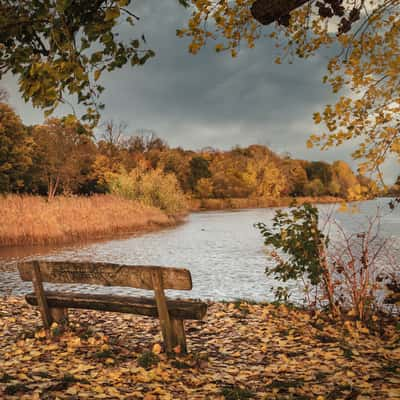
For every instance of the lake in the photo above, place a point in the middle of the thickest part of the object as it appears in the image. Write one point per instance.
(222, 249)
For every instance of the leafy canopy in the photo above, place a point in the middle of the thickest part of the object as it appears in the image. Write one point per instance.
(59, 48)
(364, 70)
(15, 149)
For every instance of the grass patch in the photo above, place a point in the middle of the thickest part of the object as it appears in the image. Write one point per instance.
(236, 393)
(326, 339)
(104, 354)
(320, 376)
(343, 391)
(347, 353)
(148, 359)
(391, 368)
(17, 388)
(284, 385)
(180, 364)
(6, 378)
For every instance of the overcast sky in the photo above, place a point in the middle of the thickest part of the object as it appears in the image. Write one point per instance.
(211, 99)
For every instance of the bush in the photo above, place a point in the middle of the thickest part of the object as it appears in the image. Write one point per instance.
(153, 188)
(296, 233)
(348, 271)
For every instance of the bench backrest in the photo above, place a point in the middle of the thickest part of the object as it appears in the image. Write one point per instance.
(135, 276)
(105, 274)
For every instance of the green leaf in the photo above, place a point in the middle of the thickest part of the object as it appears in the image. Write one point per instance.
(61, 6)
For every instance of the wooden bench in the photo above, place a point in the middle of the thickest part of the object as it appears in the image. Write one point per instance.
(171, 313)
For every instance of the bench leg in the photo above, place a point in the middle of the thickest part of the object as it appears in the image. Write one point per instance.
(178, 334)
(59, 315)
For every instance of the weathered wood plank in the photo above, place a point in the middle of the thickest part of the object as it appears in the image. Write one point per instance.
(59, 315)
(179, 309)
(162, 308)
(40, 295)
(178, 332)
(106, 274)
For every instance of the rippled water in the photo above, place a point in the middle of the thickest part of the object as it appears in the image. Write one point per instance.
(223, 251)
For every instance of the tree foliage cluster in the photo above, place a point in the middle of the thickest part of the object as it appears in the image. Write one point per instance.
(341, 269)
(363, 69)
(62, 155)
(60, 48)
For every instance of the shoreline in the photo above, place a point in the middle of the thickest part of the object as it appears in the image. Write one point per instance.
(198, 205)
(18, 251)
(143, 220)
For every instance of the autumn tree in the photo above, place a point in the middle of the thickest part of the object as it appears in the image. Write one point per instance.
(60, 48)
(15, 150)
(63, 155)
(319, 170)
(204, 188)
(271, 181)
(113, 132)
(363, 71)
(347, 181)
(199, 169)
(231, 175)
(245, 172)
(111, 138)
(177, 161)
(296, 176)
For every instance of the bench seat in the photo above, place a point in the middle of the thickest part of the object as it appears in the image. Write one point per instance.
(178, 309)
(54, 305)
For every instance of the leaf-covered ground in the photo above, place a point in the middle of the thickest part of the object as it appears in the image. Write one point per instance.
(238, 352)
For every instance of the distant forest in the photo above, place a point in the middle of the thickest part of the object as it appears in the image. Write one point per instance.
(62, 156)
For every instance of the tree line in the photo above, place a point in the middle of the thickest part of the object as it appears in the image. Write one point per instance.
(63, 156)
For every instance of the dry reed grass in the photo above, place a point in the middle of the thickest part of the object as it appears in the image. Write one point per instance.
(223, 204)
(31, 220)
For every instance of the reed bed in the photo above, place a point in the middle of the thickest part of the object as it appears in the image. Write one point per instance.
(237, 203)
(32, 220)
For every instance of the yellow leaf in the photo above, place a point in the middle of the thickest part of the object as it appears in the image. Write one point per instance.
(157, 349)
(97, 74)
(105, 347)
(111, 13)
(41, 334)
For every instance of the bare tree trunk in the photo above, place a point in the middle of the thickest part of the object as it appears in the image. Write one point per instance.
(52, 187)
(329, 289)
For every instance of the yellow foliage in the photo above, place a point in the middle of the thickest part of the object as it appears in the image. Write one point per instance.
(366, 69)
